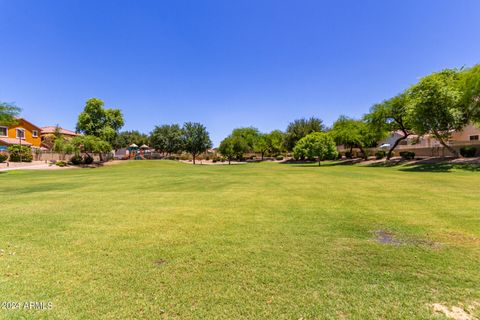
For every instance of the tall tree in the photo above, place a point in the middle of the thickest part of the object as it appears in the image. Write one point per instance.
(260, 144)
(298, 129)
(126, 138)
(196, 139)
(470, 84)
(97, 121)
(317, 145)
(8, 112)
(390, 116)
(354, 134)
(436, 106)
(167, 138)
(275, 142)
(250, 136)
(232, 147)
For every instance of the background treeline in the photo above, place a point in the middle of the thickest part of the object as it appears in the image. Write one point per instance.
(437, 105)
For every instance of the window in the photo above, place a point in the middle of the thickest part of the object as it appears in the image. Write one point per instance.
(3, 132)
(474, 138)
(34, 133)
(20, 133)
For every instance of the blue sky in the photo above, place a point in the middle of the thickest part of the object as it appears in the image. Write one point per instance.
(225, 63)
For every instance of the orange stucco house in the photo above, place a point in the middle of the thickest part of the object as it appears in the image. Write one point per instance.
(23, 132)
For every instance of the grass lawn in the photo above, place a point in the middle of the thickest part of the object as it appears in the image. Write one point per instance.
(160, 239)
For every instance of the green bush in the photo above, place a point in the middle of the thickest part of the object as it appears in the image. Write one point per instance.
(17, 152)
(76, 160)
(380, 154)
(61, 163)
(468, 152)
(88, 159)
(3, 157)
(279, 158)
(407, 155)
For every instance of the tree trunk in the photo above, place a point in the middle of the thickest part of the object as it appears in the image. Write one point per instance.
(262, 155)
(229, 160)
(365, 156)
(193, 158)
(319, 159)
(449, 148)
(390, 151)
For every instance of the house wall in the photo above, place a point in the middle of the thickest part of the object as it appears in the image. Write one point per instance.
(465, 134)
(22, 124)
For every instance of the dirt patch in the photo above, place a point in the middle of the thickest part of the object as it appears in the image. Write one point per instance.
(388, 237)
(455, 313)
(159, 262)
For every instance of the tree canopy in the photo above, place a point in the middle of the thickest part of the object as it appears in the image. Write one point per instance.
(195, 138)
(167, 138)
(8, 112)
(232, 147)
(127, 138)
(436, 106)
(316, 145)
(354, 134)
(97, 121)
(298, 129)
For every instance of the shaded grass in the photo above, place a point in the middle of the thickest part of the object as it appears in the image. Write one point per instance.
(253, 241)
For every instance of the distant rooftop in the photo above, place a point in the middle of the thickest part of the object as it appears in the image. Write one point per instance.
(51, 130)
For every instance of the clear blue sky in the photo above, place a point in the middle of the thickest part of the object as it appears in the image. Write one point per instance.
(225, 63)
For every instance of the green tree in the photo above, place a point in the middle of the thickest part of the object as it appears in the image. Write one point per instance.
(196, 139)
(316, 145)
(353, 133)
(8, 112)
(470, 85)
(167, 138)
(260, 144)
(89, 145)
(390, 116)
(232, 147)
(300, 128)
(97, 121)
(275, 142)
(126, 138)
(436, 106)
(250, 136)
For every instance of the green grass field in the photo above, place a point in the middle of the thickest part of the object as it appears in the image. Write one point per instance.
(160, 239)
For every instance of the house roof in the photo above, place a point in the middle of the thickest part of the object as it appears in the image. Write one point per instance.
(37, 127)
(9, 141)
(51, 129)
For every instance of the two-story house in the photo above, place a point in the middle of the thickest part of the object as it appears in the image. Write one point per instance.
(21, 132)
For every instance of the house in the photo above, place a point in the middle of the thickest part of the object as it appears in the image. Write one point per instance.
(64, 132)
(22, 132)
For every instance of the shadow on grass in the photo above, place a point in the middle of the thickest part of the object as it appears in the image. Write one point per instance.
(441, 167)
(327, 163)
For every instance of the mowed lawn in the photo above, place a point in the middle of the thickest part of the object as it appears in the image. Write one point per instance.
(161, 239)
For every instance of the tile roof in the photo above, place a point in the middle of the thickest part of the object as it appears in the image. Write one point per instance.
(51, 129)
(9, 141)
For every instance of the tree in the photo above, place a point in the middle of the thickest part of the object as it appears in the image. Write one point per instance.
(354, 134)
(317, 145)
(436, 106)
(260, 144)
(195, 138)
(470, 84)
(275, 142)
(167, 138)
(89, 145)
(126, 138)
(298, 129)
(249, 134)
(8, 112)
(232, 147)
(390, 116)
(97, 121)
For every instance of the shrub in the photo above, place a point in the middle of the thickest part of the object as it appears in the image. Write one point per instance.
(3, 157)
(222, 159)
(468, 152)
(23, 152)
(407, 155)
(380, 154)
(76, 160)
(279, 158)
(61, 163)
(348, 155)
(88, 159)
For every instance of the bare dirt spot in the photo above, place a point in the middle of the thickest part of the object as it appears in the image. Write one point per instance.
(455, 313)
(159, 262)
(389, 237)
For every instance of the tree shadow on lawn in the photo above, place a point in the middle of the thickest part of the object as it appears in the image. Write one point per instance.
(326, 163)
(441, 167)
